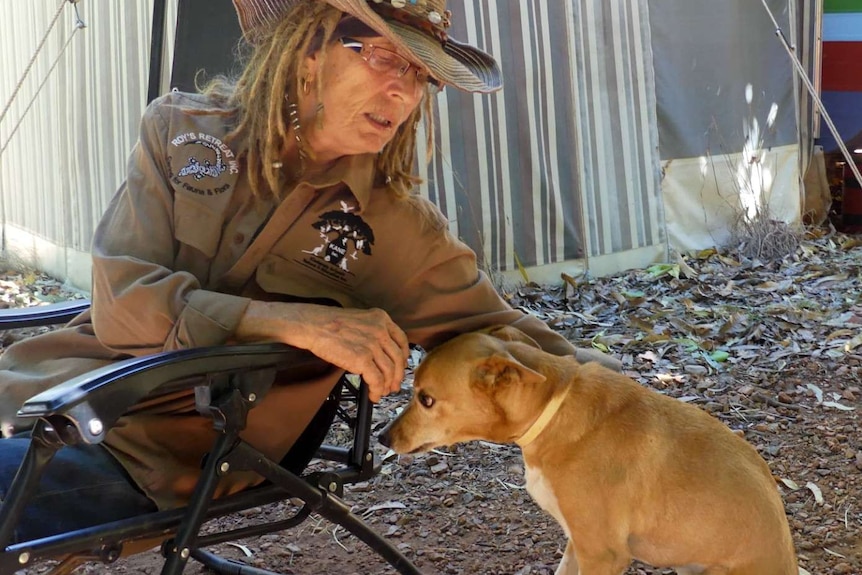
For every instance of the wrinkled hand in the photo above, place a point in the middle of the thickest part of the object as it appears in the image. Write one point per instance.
(364, 342)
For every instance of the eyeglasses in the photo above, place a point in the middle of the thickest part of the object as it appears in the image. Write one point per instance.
(388, 62)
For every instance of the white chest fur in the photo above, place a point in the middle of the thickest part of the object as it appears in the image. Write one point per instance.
(540, 490)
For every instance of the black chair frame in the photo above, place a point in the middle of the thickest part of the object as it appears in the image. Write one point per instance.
(228, 381)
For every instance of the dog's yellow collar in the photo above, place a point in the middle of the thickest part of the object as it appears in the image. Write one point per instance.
(544, 418)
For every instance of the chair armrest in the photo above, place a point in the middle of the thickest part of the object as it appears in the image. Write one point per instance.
(105, 394)
(51, 314)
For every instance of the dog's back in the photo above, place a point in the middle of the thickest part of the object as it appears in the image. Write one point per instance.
(685, 483)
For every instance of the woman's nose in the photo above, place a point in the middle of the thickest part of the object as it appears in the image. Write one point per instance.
(407, 88)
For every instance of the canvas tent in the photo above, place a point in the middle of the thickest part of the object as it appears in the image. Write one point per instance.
(627, 129)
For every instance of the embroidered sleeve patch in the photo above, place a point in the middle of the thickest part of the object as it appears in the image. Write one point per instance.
(202, 164)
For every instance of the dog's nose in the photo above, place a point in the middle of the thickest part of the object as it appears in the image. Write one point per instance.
(384, 436)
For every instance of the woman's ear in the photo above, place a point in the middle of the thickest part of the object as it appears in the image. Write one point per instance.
(308, 74)
(311, 65)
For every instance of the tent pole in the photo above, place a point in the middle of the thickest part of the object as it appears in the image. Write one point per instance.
(157, 43)
(811, 90)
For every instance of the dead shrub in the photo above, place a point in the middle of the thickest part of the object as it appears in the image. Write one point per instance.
(764, 238)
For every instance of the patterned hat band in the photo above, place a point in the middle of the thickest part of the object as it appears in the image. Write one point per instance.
(416, 28)
(431, 22)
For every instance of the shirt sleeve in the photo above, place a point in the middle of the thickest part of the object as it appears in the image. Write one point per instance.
(141, 303)
(447, 295)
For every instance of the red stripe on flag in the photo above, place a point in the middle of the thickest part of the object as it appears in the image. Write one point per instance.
(842, 66)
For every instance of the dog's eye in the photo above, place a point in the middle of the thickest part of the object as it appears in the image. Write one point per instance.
(425, 399)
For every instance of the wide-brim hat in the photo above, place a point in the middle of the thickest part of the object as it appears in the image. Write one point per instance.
(416, 28)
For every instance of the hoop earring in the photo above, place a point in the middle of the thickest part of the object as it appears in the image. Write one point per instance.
(305, 86)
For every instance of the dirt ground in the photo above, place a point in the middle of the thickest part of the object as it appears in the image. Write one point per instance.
(773, 349)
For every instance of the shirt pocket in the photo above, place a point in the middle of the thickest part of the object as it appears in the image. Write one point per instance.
(302, 282)
(196, 224)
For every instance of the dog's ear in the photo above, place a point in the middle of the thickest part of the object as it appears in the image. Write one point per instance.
(504, 370)
(509, 333)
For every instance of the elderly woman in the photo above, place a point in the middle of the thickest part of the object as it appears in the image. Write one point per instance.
(276, 208)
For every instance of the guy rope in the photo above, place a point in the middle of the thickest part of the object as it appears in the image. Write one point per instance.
(79, 24)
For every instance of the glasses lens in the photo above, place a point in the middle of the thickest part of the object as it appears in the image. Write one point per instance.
(389, 62)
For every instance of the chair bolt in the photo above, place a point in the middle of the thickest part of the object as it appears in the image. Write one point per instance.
(95, 426)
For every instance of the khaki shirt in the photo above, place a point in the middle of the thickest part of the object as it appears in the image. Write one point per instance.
(184, 246)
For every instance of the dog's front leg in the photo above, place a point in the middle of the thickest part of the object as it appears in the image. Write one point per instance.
(609, 562)
(569, 564)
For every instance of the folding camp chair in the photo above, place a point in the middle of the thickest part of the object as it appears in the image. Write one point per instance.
(228, 381)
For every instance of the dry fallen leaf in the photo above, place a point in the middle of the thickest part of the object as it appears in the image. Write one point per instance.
(818, 494)
(790, 484)
(818, 393)
(836, 405)
(245, 550)
(385, 506)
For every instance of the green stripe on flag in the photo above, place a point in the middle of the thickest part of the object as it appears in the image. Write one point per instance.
(842, 5)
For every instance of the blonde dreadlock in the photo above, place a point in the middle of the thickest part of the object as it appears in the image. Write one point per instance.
(271, 79)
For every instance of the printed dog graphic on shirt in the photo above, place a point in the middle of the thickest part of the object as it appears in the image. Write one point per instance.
(339, 229)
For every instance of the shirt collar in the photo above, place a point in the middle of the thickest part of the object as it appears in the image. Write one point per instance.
(356, 172)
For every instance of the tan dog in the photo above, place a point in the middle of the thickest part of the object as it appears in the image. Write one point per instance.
(627, 472)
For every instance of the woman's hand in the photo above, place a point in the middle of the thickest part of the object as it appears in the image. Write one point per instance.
(364, 342)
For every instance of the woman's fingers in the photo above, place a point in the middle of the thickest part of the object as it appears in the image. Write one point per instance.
(388, 353)
(362, 341)
(365, 342)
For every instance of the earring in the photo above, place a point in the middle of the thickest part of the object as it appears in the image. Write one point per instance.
(305, 86)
